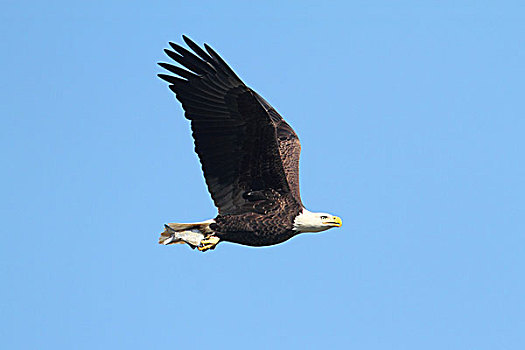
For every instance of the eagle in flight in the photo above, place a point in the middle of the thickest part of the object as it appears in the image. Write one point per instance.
(249, 156)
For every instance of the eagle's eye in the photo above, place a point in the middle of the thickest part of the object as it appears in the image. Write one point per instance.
(324, 217)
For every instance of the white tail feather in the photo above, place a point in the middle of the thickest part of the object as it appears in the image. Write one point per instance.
(190, 233)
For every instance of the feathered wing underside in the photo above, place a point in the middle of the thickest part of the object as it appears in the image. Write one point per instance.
(249, 154)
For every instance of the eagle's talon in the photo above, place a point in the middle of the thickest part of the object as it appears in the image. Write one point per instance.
(208, 243)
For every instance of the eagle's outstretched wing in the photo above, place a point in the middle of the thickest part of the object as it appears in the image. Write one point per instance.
(249, 154)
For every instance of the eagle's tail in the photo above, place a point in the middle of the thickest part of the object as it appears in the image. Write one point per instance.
(192, 233)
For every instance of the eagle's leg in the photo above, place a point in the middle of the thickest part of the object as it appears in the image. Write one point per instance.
(209, 242)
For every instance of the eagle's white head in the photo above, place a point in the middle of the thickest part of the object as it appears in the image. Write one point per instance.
(315, 222)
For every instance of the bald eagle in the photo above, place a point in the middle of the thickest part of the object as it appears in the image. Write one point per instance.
(249, 157)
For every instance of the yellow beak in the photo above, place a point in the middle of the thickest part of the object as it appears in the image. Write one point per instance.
(335, 221)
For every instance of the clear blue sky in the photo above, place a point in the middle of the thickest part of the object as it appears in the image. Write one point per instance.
(412, 120)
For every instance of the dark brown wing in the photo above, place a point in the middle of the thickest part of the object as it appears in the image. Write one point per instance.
(235, 135)
(289, 148)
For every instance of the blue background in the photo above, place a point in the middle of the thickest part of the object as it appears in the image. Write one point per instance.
(411, 117)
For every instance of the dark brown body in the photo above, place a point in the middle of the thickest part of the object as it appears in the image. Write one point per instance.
(255, 229)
